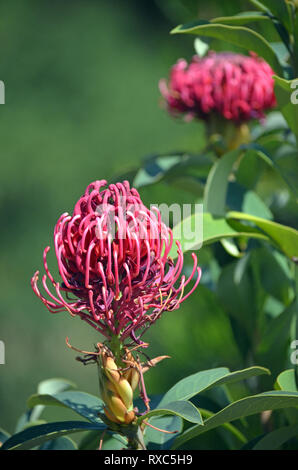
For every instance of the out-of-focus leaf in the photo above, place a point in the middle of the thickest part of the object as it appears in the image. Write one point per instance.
(217, 183)
(155, 169)
(275, 122)
(256, 150)
(82, 403)
(286, 238)
(286, 161)
(38, 435)
(295, 34)
(4, 435)
(184, 409)
(273, 346)
(241, 199)
(278, 8)
(253, 204)
(233, 294)
(231, 248)
(55, 385)
(286, 92)
(51, 386)
(272, 400)
(275, 439)
(61, 443)
(241, 18)
(259, 4)
(275, 275)
(237, 35)
(38, 422)
(172, 167)
(286, 381)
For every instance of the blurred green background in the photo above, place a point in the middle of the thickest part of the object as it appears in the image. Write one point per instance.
(82, 103)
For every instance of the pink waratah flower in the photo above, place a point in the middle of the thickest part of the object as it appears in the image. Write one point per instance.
(235, 86)
(113, 259)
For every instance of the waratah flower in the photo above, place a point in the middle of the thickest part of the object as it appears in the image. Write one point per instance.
(235, 86)
(114, 263)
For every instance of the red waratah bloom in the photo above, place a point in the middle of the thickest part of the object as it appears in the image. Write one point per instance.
(235, 86)
(120, 280)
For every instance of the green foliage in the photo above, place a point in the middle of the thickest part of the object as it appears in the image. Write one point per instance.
(239, 409)
(275, 439)
(37, 435)
(284, 89)
(194, 384)
(237, 35)
(82, 403)
(183, 409)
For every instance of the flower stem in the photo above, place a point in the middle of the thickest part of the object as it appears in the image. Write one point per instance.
(136, 441)
(116, 348)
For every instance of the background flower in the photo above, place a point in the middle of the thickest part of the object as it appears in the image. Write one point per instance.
(236, 86)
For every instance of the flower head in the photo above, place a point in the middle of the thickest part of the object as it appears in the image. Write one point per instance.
(114, 263)
(235, 86)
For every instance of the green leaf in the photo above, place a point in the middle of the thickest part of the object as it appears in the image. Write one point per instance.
(61, 443)
(217, 183)
(82, 403)
(295, 35)
(253, 204)
(154, 169)
(155, 439)
(194, 384)
(37, 435)
(38, 422)
(259, 4)
(276, 333)
(286, 94)
(277, 438)
(286, 381)
(286, 238)
(204, 380)
(214, 229)
(241, 18)
(53, 385)
(114, 442)
(237, 35)
(256, 150)
(231, 248)
(229, 427)
(287, 165)
(275, 274)
(91, 441)
(183, 409)
(278, 8)
(248, 406)
(170, 167)
(234, 290)
(4, 435)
